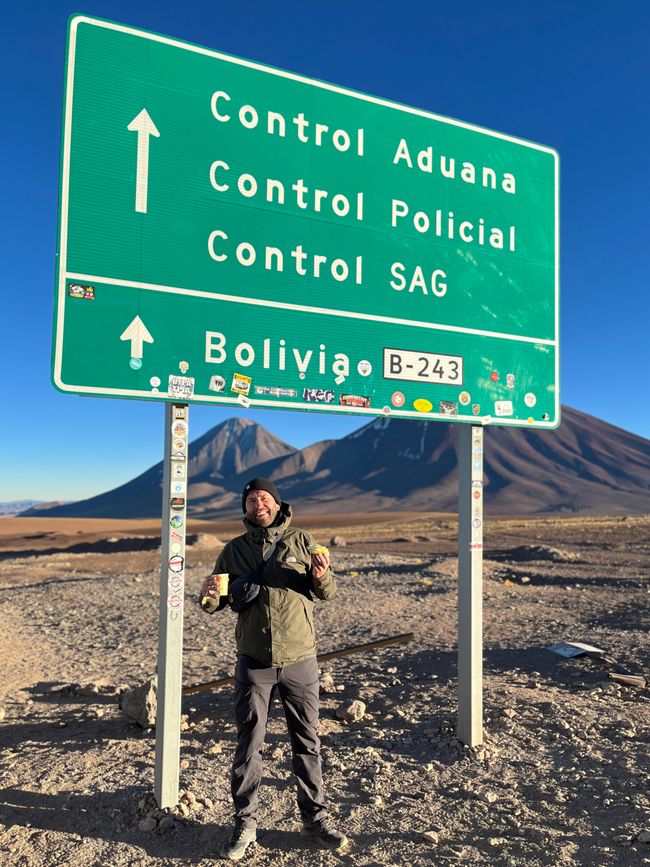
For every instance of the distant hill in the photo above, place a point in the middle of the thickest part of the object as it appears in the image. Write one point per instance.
(235, 447)
(585, 466)
(15, 507)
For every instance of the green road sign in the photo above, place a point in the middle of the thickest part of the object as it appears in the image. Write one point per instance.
(232, 233)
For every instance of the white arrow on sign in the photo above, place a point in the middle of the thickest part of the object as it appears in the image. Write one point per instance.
(144, 126)
(138, 334)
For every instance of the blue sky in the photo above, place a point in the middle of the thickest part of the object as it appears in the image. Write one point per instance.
(572, 75)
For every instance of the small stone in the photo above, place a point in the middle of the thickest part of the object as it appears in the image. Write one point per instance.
(643, 836)
(183, 809)
(185, 763)
(3, 713)
(215, 749)
(139, 703)
(208, 803)
(431, 836)
(623, 839)
(351, 711)
(509, 713)
(167, 823)
(370, 732)
(327, 683)
(496, 841)
(147, 824)
(87, 689)
(489, 797)
(338, 541)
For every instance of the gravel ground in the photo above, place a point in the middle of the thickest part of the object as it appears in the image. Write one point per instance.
(561, 778)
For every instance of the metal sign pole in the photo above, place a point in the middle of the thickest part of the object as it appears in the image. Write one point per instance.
(470, 585)
(170, 629)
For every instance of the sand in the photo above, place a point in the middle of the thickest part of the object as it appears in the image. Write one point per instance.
(561, 778)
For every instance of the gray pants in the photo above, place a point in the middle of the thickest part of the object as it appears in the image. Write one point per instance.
(298, 687)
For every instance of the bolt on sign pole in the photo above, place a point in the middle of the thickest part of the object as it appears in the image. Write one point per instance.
(470, 585)
(172, 580)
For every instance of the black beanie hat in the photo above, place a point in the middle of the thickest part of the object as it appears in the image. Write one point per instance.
(259, 485)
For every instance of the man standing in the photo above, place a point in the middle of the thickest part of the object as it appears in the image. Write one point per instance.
(274, 569)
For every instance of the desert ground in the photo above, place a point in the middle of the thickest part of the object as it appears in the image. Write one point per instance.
(562, 775)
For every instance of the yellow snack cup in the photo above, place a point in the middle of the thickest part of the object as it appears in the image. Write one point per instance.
(319, 549)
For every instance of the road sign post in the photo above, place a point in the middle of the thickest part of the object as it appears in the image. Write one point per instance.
(470, 585)
(172, 593)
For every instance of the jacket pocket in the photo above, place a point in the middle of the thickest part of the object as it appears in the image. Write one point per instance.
(242, 617)
(308, 608)
(291, 569)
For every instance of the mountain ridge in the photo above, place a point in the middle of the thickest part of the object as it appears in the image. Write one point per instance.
(585, 466)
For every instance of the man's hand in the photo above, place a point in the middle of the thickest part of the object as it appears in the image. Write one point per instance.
(211, 587)
(320, 563)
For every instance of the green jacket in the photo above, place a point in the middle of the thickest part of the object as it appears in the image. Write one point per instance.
(278, 627)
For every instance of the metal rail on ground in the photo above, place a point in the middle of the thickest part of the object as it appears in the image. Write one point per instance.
(322, 657)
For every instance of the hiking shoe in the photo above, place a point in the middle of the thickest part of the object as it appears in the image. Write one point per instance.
(323, 834)
(236, 845)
